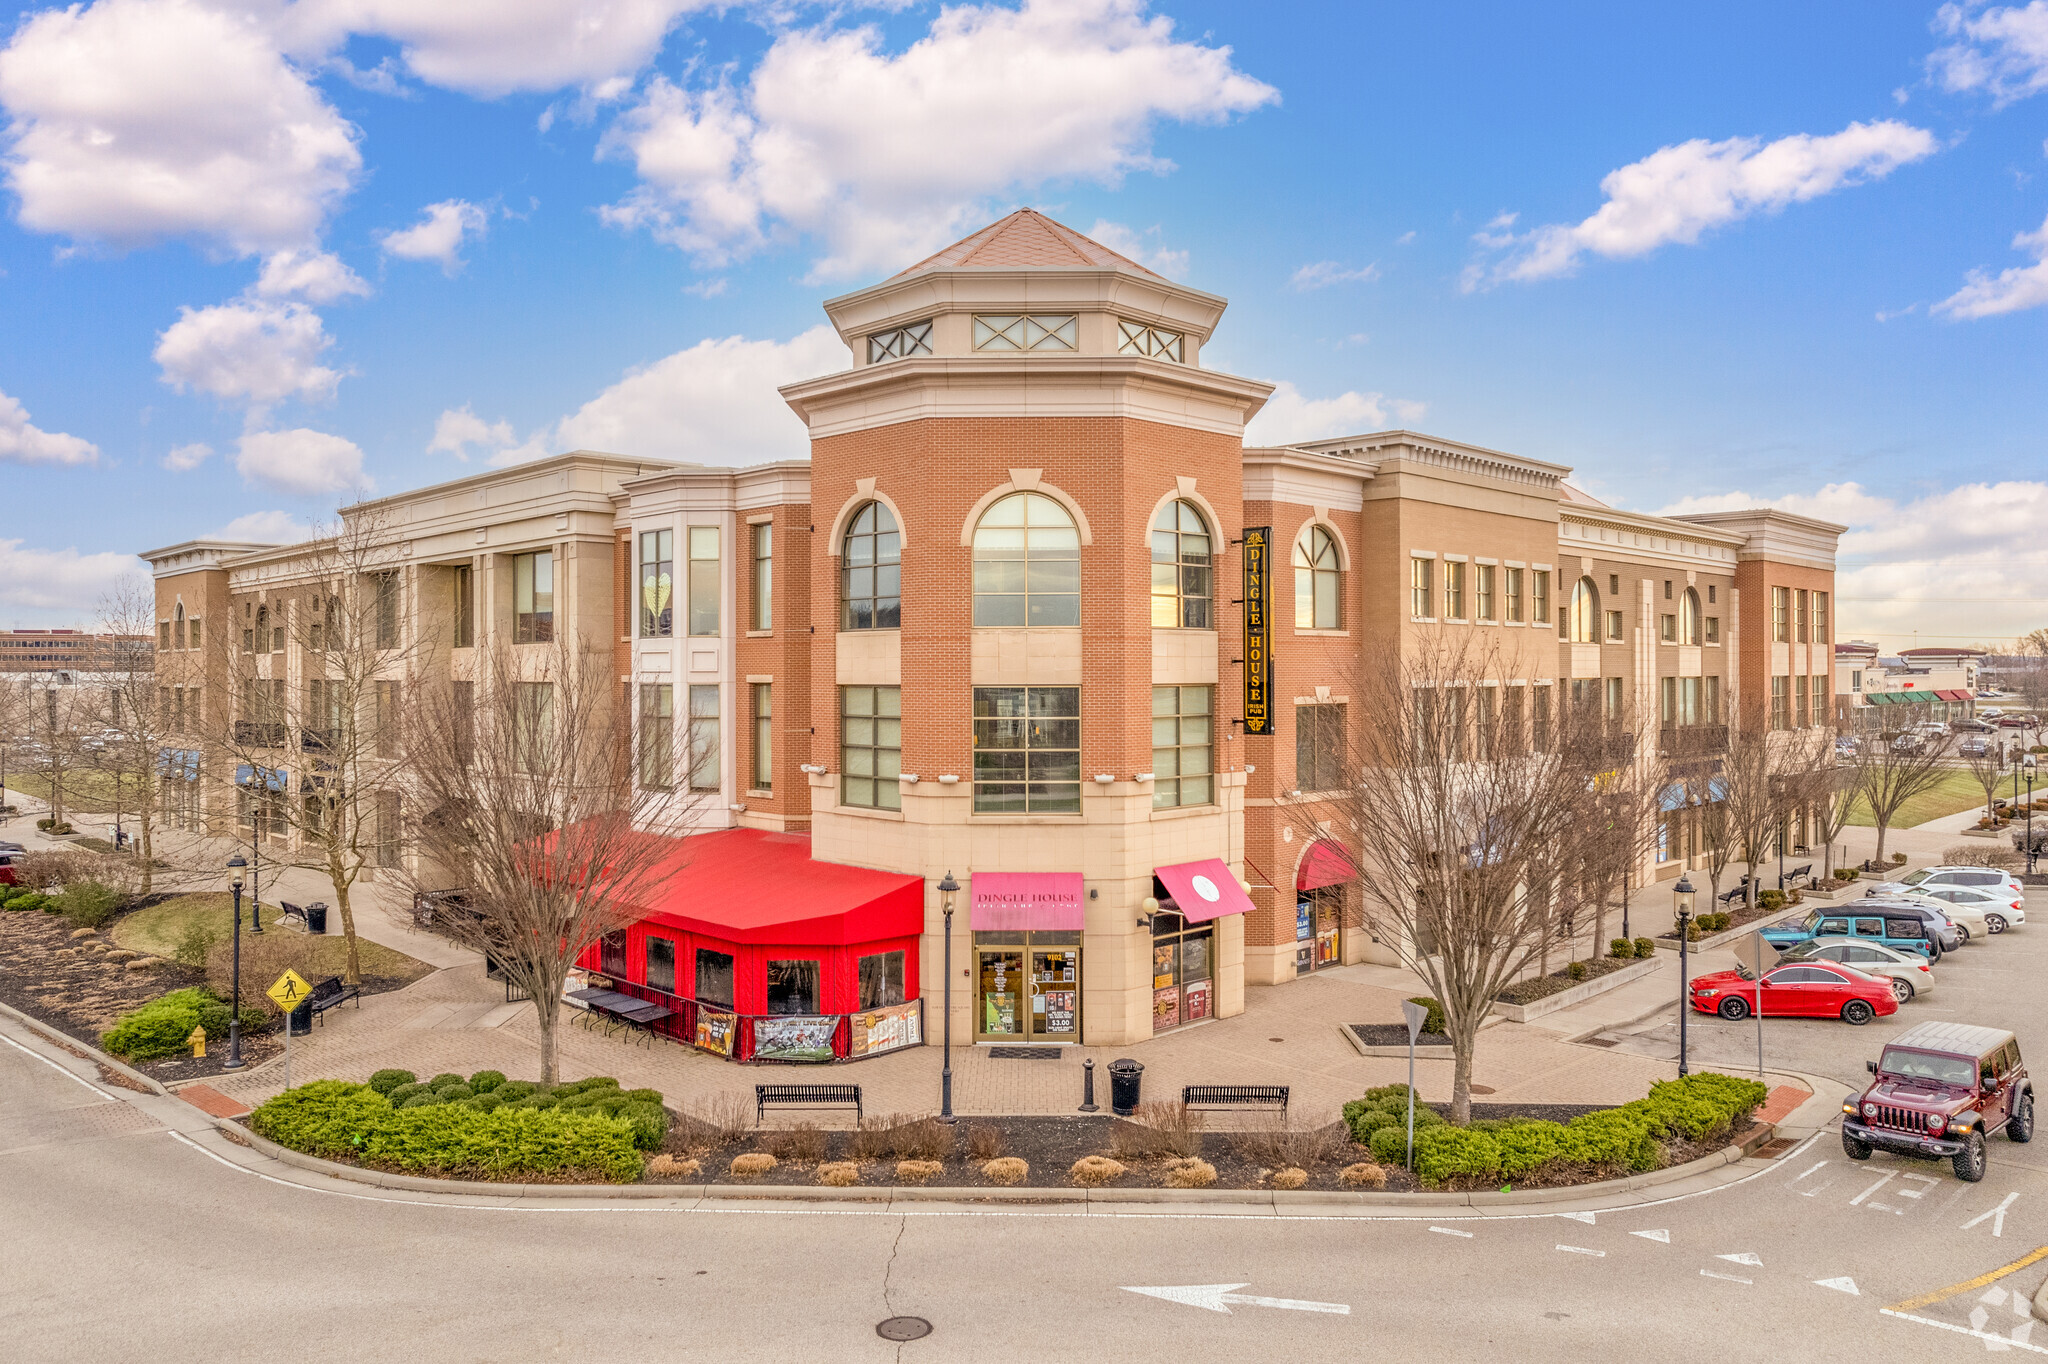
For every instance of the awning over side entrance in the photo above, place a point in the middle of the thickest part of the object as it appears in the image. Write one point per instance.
(1204, 890)
(1326, 863)
(752, 886)
(1049, 901)
(1953, 695)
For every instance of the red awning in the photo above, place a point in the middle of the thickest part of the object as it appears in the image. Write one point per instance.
(1017, 901)
(1327, 863)
(1953, 695)
(752, 886)
(1205, 890)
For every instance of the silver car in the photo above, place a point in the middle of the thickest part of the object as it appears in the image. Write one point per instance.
(1908, 972)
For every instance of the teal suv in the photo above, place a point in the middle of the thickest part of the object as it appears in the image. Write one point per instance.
(1900, 928)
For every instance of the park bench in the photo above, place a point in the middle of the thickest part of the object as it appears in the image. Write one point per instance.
(1796, 874)
(329, 993)
(1234, 1096)
(805, 1096)
(1730, 897)
(291, 911)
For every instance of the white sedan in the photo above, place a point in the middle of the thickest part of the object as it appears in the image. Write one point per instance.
(2002, 909)
(1966, 914)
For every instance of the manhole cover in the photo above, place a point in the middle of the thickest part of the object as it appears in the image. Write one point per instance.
(904, 1328)
(1482, 1089)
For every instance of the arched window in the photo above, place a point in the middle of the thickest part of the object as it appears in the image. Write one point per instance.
(1181, 573)
(871, 571)
(178, 627)
(1027, 563)
(1315, 581)
(1689, 617)
(1585, 613)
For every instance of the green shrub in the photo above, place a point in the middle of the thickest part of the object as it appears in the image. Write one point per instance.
(486, 1101)
(1621, 949)
(1435, 1021)
(197, 939)
(449, 1094)
(648, 1123)
(1613, 1137)
(645, 1096)
(1576, 970)
(1529, 1145)
(88, 904)
(446, 1077)
(325, 1118)
(1646, 948)
(1845, 874)
(160, 1028)
(1364, 1117)
(484, 1081)
(426, 1098)
(1447, 1152)
(1898, 859)
(513, 1089)
(22, 900)
(399, 1093)
(384, 1081)
(1390, 1145)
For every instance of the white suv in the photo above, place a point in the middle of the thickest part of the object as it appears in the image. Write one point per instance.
(1942, 878)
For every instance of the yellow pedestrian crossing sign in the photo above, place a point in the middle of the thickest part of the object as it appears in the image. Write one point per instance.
(290, 991)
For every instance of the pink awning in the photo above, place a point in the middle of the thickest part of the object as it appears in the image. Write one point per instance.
(1012, 900)
(1953, 695)
(1202, 891)
(1327, 863)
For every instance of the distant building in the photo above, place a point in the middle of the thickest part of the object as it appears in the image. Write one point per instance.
(43, 651)
(1939, 683)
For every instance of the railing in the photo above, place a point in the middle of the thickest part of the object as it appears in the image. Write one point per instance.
(259, 733)
(1692, 741)
(741, 1036)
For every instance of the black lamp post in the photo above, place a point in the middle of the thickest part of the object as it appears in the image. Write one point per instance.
(948, 888)
(2029, 763)
(234, 1062)
(1681, 895)
(256, 851)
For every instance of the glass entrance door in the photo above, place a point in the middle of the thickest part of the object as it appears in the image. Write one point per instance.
(1317, 916)
(1056, 994)
(1000, 1015)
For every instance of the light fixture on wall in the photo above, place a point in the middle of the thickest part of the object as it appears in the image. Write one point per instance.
(816, 771)
(907, 778)
(1149, 907)
(948, 779)
(1104, 778)
(737, 809)
(1142, 776)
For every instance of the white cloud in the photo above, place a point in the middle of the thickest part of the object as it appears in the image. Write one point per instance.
(1288, 416)
(22, 442)
(133, 120)
(439, 234)
(185, 458)
(2011, 290)
(302, 461)
(888, 156)
(37, 585)
(1676, 193)
(267, 528)
(1323, 273)
(1955, 564)
(1143, 247)
(2003, 49)
(460, 428)
(248, 350)
(314, 276)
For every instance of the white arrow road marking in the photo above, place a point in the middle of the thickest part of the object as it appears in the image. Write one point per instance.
(1997, 1215)
(1730, 1278)
(1581, 1250)
(1882, 1181)
(1845, 1284)
(1903, 1192)
(1217, 1297)
(1451, 1231)
(1585, 1217)
(1658, 1235)
(1742, 1257)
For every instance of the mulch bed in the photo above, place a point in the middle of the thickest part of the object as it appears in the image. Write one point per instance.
(1560, 980)
(1737, 917)
(1395, 1035)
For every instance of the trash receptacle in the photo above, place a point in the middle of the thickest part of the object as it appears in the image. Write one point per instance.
(301, 1019)
(1124, 1075)
(316, 917)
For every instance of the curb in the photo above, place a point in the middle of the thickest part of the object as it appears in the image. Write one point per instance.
(57, 1037)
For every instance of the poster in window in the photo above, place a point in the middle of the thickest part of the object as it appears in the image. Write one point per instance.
(999, 1013)
(1059, 1010)
(795, 1037)
(880, 1030)
(1304, 921)
(1194, 1002)
(1258, 630)
(716, 1030)
(1165, 1009)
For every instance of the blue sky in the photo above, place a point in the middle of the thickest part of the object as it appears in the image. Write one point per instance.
(257, 258)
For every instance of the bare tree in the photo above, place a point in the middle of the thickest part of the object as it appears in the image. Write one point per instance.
(1985, 762)
(1751, 799)
(2031, 678)
(1461, 819)
(524, 780)
(58, 733)
(14, 725)
(319, 739)
(132, 714)
(1902, 761)
(1828, 778)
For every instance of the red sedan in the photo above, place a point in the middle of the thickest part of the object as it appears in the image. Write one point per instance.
(1802, 990)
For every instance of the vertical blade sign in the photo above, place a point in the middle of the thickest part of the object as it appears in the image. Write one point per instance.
(1258, 630)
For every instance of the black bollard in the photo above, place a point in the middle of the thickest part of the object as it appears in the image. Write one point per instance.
(1088, 1085)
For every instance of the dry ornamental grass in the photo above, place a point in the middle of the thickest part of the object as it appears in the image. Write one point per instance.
(1157, 1130)
(1190, 1174)
(839, 1174)
(1092, 1172)
(666, 1166)
(918, 1171)
(1272, 1142)
(984, 1143)
(1363, 1175)
(1289, 1178)
(1005, 1170)
(752, 1165)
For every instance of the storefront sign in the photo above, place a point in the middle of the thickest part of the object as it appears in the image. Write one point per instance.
(716, 1031)
(1195, 1001)
(880, 1030)
(1258, 630)
(794, 1038)
(1049, 901)
(1059, 1010)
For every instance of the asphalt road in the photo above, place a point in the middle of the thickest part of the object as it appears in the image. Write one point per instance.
(126, 1239)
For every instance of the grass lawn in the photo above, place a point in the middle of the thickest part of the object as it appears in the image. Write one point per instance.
(87, 791)
(1956, 791)
(158, 929)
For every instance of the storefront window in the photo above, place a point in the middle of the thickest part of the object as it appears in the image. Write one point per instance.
(1183, 976)
(881, 980)
(1029, 986)
(611, 954)
(792, 987)
(661, 965)
(714, 977)
(1317, 916)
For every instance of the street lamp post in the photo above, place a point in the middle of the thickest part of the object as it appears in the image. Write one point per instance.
(256, 879)
(2029, 763)
(234, 1062)
(1681, 895)
(948, 888)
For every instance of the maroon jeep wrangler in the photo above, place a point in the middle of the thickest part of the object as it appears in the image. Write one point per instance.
(1941, 1089)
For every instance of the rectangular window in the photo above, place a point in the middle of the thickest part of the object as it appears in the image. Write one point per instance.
(462, 697)
(1539, 586)
(1613, 698)
(1419, 589)
(1319, 747)
(1614, 627)
(533, 724)
(1539, 719)
(386, 586)
(881, 980)
(763, 536)
(704, 738)
(1181, 747)
(1454, 590)
(1667, 628)
(384, 699)
(1135, 338)
(464, 608)
(533, 597)
(1484, 723)
(163, 636)
(914, 338)
(1482, 591)
(1689, 701)
(388, 831)
(703, 580)
(195, 636)
(1780, 701)
(1823, 701)
(657, 584)
(1016, 331)
(1781, 615)
(1667, 589)
(1799, 695)
(792, 987)
(661, 965)
(1667, 702)
(657, 736)
(871, 747)
(1027, 750)
(764, 737)
(1820, 619)
(1856, 679)
(1713, 630)
(1710, 702)
(1513, 713)
(713, 983)
(1514, 586)
(1614, 584)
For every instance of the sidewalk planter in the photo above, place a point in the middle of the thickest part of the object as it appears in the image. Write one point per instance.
(1564, 999)
(1722, 939)
(1424, 1050)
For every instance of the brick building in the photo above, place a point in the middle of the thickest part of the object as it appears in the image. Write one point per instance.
(995, 626)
